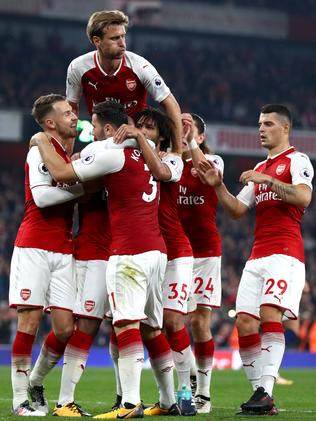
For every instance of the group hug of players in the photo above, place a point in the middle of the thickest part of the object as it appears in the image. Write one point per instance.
(147, 252)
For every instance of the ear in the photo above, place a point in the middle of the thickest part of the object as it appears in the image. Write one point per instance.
(96, 41)
(287, 128)
(50, 123)
(201, 138)
(109, 130)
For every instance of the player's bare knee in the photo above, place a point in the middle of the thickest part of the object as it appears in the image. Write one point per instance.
(63, 333)
(246, 325)
(28, 320)
(89, 326)
(173, 321)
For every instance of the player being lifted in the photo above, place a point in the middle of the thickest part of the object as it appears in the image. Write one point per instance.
(112, 73)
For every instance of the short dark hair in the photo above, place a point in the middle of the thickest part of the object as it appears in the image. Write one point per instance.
(110, 112)
(199, 122)
(162, 121)
(44, 105)
(278, 109)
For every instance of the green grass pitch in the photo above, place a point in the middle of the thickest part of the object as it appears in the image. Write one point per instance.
(96, 393)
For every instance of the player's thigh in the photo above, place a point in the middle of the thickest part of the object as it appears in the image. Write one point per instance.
(284, 279)
(250, 289)
(177, 284)
(62, 288)
(91, 288)
(29, 277)
(127, 282)
(207, 285)
(154, 304)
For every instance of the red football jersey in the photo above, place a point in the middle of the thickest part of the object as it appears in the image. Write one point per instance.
(128, 85)
(197, 205)
(94, 236)
(133, 207)
(277, 229)
(176, 241)
(46, 228)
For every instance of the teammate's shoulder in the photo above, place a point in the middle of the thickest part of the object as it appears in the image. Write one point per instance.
(33, 152)
(135, 59)
(214, 158)
(84, 59)
(298, 155)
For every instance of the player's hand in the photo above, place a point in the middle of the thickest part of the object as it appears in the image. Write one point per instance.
(187, 125)
(125, 131)
(254, 176)
(162, 154)
(209, 174)
(38, 137)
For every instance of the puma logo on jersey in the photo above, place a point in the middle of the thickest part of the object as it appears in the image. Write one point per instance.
(23, 371)
(93, 84)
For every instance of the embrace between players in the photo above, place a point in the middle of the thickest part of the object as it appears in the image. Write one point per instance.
(146, 254)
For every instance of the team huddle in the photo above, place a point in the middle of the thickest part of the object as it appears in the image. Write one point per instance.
(147, 253)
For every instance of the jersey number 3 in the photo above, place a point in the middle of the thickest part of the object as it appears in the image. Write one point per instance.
(150, 197)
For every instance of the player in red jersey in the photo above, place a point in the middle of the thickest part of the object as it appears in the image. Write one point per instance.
(42, 263)
(178, 274)
(197, 205)
(273, 278)
(91, 253)
(137, 263)
(112, 73)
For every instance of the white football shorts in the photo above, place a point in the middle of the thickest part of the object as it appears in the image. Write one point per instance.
(91, 299)
(277, 280)
(134, 285)
(41, 278)
(177, 284)
(206, 289)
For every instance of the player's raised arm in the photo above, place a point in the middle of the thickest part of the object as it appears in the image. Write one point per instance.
(89, 168)
(60, 170)
(158, 169)
(188, 129)
(211, 175)
(173, 111)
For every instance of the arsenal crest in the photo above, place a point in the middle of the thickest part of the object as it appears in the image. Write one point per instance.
(280, 169)
(89, 305)
(25, 294)
(131, 84)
